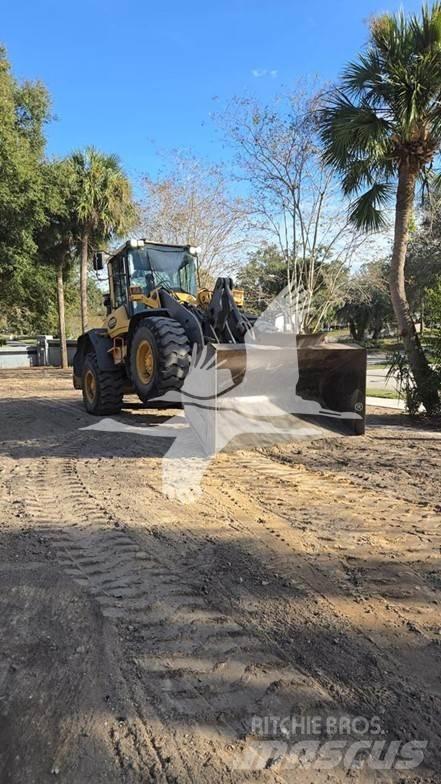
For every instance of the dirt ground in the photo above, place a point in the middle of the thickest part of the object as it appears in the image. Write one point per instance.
(140, 636)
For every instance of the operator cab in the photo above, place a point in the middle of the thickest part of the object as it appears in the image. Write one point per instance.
(139, 267)
(153, 266)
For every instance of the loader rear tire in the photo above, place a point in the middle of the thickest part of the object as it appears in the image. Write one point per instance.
(103, 390)
(159, 357)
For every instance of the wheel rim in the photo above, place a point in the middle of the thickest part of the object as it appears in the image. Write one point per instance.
(90, 386)
(145, 362)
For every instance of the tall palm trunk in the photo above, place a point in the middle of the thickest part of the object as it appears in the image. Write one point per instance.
(61, 316)
(425, 378)
(84, 273)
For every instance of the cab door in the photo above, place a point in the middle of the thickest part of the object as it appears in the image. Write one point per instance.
(120, 294)
(117, 321)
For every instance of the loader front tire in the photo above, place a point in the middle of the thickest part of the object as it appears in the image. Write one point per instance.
(159, 357)
(103, 390)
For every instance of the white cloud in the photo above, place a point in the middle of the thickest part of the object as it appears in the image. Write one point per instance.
(258, 73)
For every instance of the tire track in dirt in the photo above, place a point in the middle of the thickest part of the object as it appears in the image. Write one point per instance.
(308, 494)
(105, 562)
(324, 608)
(400, 652)
(192, 659)
(273, 537)
(407, 673)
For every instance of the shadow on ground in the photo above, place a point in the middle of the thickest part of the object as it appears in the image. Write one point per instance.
(113, 641)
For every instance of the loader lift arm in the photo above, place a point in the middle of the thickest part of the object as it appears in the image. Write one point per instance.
(223, 317)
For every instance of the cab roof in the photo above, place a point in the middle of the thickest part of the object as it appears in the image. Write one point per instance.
(141, 243)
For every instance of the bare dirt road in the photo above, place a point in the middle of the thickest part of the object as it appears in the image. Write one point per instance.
(139, 636)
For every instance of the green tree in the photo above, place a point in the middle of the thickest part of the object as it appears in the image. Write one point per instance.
(28, 304)
(381, 131)
(265, 274)
(367, 306)
(24, 111)
(433, 315)
(434, 304)
(104, 208)
(423, 263)
(262, 276)
(72, 297)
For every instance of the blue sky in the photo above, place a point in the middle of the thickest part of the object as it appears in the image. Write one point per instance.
(134, 76)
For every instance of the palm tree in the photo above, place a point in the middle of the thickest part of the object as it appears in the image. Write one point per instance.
(381, 130)
(103, 206)
(56, 239)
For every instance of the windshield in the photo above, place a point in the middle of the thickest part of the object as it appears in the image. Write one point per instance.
(169, 267)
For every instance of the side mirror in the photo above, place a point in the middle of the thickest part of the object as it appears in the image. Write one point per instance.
(98, 261)
(107, 302)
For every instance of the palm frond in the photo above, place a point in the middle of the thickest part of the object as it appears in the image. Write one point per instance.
(432, 182)
(364, 74)
(348, 130)
(392, 37)
(387, 112)
(367, 212)
(426, 30)
(357, 173)
(365, 171)
(103, 194)
(434, 119)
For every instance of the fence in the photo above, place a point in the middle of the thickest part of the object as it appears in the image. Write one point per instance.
(44, 352)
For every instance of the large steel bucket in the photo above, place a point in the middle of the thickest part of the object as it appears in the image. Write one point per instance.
(238, 390)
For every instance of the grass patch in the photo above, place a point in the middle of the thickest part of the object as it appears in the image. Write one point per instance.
(337, 334)
(389, 394)
(385, 345)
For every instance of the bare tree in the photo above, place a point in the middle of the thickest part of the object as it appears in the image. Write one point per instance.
(293, 198)
(190, 203)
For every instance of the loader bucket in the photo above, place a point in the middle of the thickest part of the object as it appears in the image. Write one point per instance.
(253, 393)
(335, 375)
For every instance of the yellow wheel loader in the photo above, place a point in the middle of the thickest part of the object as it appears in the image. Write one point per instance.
(158, 320)
(156, 317)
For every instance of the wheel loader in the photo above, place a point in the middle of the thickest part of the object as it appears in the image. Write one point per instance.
(158, 320)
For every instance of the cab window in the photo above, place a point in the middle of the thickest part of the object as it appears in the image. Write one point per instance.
(119, 281)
